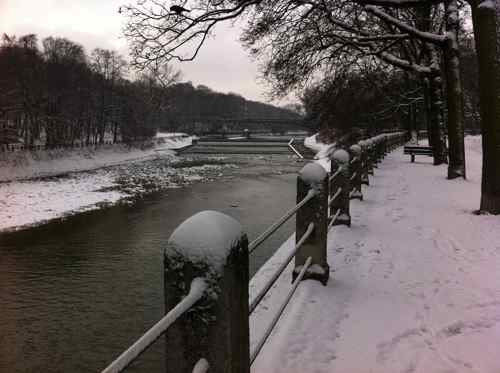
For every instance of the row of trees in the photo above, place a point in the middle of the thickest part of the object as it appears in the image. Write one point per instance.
(189, 105)
(373, 98)
(299, 41)
(57, 94)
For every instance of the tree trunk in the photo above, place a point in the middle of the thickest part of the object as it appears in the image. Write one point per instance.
(454, 94)
(486, 21)
(427, 111)
(436, 119)
(413, 123)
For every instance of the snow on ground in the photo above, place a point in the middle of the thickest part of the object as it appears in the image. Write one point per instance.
(414, 287)
(35, 164)
(27, 165)
(87, 179)
(33, 202)
(26, 203)
(173, 140)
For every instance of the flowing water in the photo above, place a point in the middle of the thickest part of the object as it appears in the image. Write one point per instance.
(75, 293)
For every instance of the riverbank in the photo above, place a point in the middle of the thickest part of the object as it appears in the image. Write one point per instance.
(31, 202)
(28, 203)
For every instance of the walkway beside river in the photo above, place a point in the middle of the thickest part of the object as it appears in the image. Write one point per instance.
(415, 282)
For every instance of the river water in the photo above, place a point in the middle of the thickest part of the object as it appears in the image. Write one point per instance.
(77, 292)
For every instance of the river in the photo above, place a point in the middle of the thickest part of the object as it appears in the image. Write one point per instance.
(75, 293)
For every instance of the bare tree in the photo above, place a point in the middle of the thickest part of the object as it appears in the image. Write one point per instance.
(158, 32)
(297, 39)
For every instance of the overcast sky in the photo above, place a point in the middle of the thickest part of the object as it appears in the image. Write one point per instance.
(222, 64)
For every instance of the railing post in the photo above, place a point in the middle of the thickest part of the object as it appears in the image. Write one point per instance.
(213, 246)
(313, 176)
(370, 155)
(385, 149)
(355, 167)
(340, 158)
(378, 151)
(364, 163)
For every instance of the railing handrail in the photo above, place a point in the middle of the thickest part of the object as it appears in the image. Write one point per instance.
(255, 302)
(278, 223)
(294, 149)
(255, 352)
(196, 291)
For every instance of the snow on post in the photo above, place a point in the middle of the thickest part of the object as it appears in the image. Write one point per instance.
(340, 159)
(364, 163)
(213, 246)
(312, 176)
(377, 151)
(356, 170)
(370, 155)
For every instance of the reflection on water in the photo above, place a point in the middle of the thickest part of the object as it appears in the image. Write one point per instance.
(74, 294)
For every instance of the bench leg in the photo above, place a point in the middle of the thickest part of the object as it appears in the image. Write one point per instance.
(412, 158)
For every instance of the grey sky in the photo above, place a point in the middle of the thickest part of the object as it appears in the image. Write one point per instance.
(222, 64)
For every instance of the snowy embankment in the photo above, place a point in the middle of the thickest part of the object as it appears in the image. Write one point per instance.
(414, 287)
(31, 194)
(45, 163)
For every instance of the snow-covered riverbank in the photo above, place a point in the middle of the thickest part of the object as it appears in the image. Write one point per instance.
(39, 186)
(32, 202)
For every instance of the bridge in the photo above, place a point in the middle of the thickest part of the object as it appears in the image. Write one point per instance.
(211, 125)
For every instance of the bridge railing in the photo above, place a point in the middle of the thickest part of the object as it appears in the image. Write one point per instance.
(207, 258)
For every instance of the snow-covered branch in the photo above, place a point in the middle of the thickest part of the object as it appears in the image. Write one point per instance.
(425, 36)
(398, 3)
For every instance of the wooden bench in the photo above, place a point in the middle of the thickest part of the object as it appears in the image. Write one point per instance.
(413, 150)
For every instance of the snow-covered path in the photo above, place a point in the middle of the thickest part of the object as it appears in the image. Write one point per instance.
(415, 287)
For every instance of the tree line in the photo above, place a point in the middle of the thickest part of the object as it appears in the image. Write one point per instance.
(54, 93)
(373, 98)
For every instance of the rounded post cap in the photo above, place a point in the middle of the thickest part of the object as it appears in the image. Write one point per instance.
(341, 156)
(207, 237)
(313, 173)
(355, 149)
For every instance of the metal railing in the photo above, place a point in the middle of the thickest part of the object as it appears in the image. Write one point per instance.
(290, 145)
(258, 348)
(197, 288)
(276, 225)
(324, 202)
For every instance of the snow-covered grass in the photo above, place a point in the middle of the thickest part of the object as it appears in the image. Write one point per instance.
(25, 203)
(414, 287)
(37, 164)
(43, 163)
(39, 186)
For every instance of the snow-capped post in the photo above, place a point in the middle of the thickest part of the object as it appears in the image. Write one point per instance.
(370, 150)
(340, 158)
(385, 146)
(312, 177)
(212, 246)
(379, 151)
(355, 168)
(364, 163)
